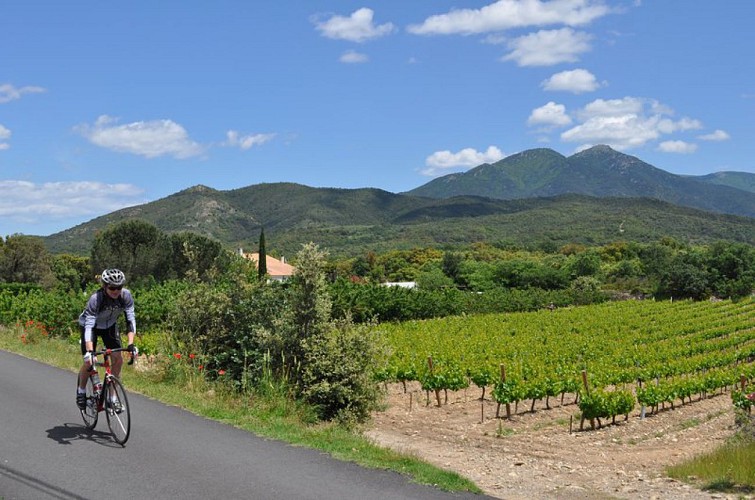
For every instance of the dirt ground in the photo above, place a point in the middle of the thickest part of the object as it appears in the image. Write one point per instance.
(534, 455)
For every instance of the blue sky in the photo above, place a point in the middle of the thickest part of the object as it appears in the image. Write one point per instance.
(105, 105)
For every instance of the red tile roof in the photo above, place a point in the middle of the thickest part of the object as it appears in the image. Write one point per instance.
(275, 268)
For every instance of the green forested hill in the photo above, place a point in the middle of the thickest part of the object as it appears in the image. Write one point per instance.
(352, 221)
(740, 180)
(599, 171)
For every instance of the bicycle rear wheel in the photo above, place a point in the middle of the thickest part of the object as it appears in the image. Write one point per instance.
(117, 410)
(90, 413)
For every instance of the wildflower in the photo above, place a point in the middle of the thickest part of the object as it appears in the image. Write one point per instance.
(191, 356)
(177, 355)
(23, 338)
(200, 367)
(221, 372)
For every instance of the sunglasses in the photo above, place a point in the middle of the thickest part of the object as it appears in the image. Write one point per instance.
(114, 288)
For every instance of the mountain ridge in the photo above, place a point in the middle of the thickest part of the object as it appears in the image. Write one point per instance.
(598, 171)
(348, 221)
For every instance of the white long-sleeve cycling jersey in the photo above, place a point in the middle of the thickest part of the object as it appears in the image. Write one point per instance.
(102, 312)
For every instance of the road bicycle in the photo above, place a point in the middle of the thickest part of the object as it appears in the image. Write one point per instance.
(111, 399)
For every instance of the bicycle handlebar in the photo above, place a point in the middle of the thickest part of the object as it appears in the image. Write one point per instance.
(107, 351)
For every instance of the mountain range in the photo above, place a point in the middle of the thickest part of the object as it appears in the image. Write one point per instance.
(537, 197)
(599, 171)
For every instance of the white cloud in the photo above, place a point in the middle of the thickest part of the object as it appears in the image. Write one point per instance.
(358, 27)
(31, 203)
(668, 126)
(353, 57)
(508, 14)
(149, 139)
(625, 123)
(680, 147)
(4, 136)
(245, 142)
(575, 81)
(718, 135)
(612, 107)
(10, 93)
(548, 47)
(441, 161)
(549, 115)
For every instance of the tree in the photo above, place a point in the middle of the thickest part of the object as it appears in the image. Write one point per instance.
(432, 277)
(310, 299)
(137, 248)
(686, 277)
(584, 264)
(732, 269)
(71, 271)
(655, 259)
(195, 253)
(333, 362)
(451, 266)
(24, 259)
(262, 254)
(586, 290)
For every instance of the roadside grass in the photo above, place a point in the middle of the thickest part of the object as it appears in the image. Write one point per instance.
(266, 411)
(728, 469)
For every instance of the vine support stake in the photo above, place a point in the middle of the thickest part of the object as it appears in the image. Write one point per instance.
(587, 392)
(584, 381)
(503, 380)
(437, 390)
(642, 408)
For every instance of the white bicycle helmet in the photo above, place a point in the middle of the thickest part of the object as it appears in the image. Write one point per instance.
(113, 277)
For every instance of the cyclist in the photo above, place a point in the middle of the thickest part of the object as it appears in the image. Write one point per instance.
(100, 318)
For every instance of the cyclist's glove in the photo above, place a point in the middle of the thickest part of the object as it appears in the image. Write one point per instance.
(134, 353)
(89, 360)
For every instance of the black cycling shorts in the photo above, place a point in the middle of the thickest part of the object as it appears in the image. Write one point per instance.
(110, 337)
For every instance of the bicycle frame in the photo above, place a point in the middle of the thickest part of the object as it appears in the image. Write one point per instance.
(112, 399)
(106, 381)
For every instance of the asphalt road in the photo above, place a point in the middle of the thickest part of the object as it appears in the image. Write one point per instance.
(46, 452)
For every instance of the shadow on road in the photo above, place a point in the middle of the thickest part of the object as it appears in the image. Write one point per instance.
(66, 433)
(44, 489)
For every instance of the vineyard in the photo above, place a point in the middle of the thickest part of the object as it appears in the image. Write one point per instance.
(608, 358)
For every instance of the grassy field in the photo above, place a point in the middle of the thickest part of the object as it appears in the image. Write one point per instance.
(266, 412)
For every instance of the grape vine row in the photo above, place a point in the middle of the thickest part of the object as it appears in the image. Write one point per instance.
(611, 356)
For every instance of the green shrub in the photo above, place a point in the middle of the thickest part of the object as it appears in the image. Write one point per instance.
(56, 310)
(338, 372)
(230, 326)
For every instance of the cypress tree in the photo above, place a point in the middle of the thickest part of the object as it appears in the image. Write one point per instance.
(262, 261)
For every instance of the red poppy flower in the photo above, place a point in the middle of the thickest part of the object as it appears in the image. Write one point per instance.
(191, 356)
(177, 355)
(221, 372)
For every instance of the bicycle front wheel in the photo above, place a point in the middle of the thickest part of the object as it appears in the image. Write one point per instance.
(117, 410)
(89, 414)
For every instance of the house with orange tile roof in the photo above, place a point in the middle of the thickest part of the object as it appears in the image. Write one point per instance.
(277, 270)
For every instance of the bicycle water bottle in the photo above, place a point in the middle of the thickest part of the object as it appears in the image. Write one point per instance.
(96, 384)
